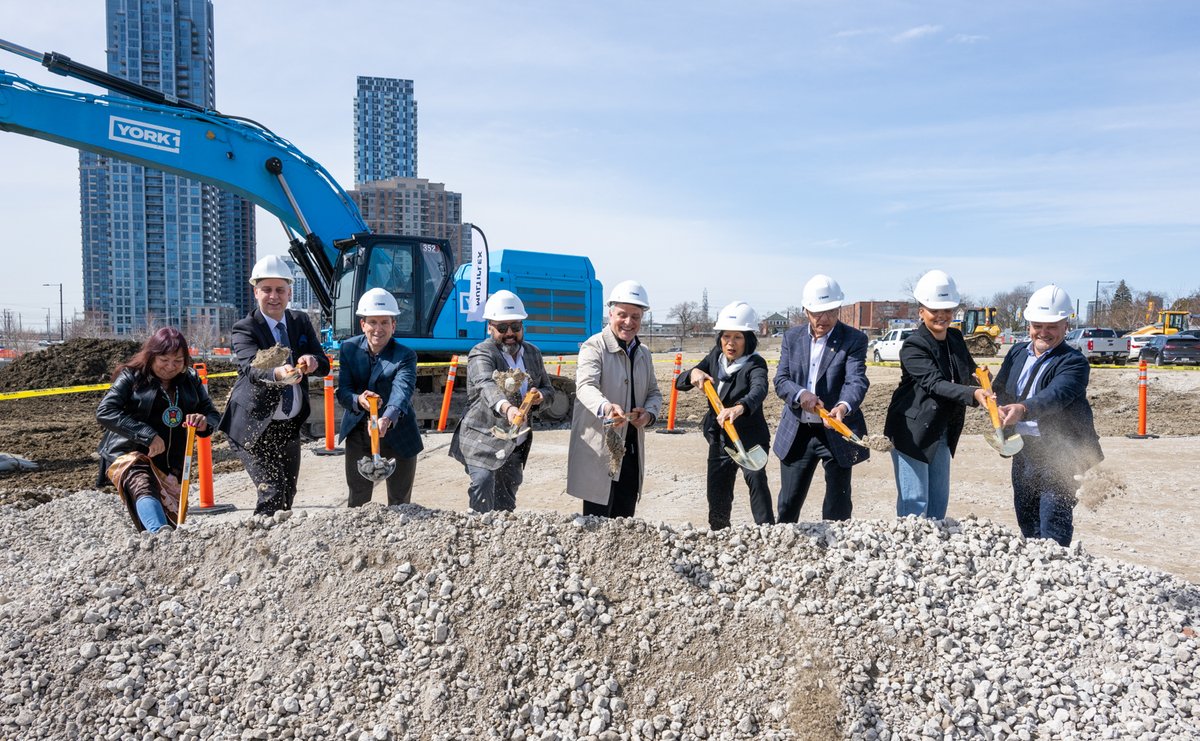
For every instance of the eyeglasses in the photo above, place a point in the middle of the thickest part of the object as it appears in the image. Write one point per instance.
(505, 328)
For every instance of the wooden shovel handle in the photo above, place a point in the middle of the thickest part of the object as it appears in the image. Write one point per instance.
(718, 407)
(985, 380)
(373, 425)
(838, 425)
(526, 405)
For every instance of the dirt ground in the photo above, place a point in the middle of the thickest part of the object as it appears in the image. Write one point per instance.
(1144, 495)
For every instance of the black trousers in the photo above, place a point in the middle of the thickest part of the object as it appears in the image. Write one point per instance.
(796, 474)
(722, 473)
(399, 484)
(623, 494)
(273, 462)
(1044, 491)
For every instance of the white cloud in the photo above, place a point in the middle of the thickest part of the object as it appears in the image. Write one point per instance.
(915, 33)
(966, 38)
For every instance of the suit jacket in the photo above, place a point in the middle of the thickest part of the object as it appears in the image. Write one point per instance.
(841, 376)
(747, 386)
(1057, 401)
(255, 394)
(603, 375)
(473, 443)
(393, 377)
(927, 403)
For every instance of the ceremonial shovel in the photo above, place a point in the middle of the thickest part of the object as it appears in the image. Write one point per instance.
(1005, 446)
(375, 468)
(187, 476)
(515, 431)
(755, 458)
(840, 428)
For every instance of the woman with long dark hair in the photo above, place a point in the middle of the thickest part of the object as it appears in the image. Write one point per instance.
(153, 398)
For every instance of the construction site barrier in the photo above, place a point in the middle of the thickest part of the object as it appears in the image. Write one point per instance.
(330, 448)
(670, 430)
(558, 368)
(449, 392)
(204, 467)
(1143, 394)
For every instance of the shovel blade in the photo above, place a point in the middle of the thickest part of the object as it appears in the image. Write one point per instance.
(509, 433)
(373, 468)
(1007, 447)
(754, 459)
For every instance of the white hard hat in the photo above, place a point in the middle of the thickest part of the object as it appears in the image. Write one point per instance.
(504, 306)
(737, 317)
(936, 290)
(1048, 304)
(629, 292)
(378, 302)
(821, 293)
(271, 266)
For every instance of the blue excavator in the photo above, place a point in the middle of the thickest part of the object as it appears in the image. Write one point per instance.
(329, 240)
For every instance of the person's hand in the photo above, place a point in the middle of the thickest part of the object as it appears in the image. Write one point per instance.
(510, 413)
(171, 485)
(1010, 414)
(197, 420)
(616, 415)
(697, 377)
(810, 401)
(307, 364)
(537, 396)
(639, 417)
(157, 446)
(729, 414)
(364, 400)
(838, 412)
(288, 374)
(982, 395)
(385, 424)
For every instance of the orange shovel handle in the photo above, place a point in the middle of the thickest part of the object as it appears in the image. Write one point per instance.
(187, 476)
(526, 405)
(838, 426)
(718, 407)
(373, 425)
(985, 380)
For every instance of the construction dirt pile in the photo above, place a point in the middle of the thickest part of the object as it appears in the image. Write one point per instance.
(80, 362)
(411, 623)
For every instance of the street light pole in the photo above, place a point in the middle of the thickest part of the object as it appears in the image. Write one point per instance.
(62, 332)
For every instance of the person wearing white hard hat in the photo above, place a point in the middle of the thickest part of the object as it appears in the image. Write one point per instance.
(267, 406)
(1042, 389)
(616, 395)
(928, 409)
(374, 365)
(739, 375)
(496, 465)
(822, 365)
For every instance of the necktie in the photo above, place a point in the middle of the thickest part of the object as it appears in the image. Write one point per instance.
(289, 396)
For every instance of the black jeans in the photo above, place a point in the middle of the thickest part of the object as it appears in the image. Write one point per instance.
(1044, 491)
(622, 494)
(273, 462)
(796, 474)
(399, 484)
(722, 473)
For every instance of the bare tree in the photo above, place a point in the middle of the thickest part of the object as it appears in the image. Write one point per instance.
(1010, 305)
(795, 316)
(687, 315)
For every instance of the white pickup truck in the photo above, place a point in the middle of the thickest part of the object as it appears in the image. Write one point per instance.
(888, 347)
(1099, 345)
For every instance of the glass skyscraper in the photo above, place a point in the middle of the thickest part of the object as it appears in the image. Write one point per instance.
(385, 130)
(155, 247)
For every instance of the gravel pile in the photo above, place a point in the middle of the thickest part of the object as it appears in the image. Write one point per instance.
(408, 623)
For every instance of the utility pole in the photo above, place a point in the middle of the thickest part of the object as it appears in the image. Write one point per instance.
(62, 332)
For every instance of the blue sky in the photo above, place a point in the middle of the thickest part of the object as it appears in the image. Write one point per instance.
(739, 147)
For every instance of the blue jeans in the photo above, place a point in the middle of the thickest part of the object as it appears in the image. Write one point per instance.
(923, 489)
(150, 512)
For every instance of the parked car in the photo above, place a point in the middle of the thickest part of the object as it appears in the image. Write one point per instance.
(1164, 349)
(1099, 345)
(888, 346)
(1136, 343)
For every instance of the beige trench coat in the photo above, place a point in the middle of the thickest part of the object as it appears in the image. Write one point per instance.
(603, 376)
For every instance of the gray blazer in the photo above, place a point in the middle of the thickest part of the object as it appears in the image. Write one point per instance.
(473, 443)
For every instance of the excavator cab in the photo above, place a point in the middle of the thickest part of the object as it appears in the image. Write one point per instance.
(418, 271)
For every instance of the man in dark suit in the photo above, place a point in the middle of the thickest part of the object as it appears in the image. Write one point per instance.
(821, 365)
(268, 405)
(1042, 386)
(496, 465)
(374, 364)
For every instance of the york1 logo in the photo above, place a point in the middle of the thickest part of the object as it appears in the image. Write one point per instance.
(143, 134)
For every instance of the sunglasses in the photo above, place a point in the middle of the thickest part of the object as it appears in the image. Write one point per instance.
(505, 328)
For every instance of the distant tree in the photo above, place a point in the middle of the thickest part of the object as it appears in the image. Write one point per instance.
(1123, 313)
(687, 317)
(1189, 303)
(1010, 306)
(795, 316)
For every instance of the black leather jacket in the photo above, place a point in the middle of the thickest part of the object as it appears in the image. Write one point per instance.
(125, 413)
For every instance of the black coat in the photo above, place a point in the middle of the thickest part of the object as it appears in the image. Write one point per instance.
(747, 386)
(255, 395)
(129, 425)
(927, 402)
